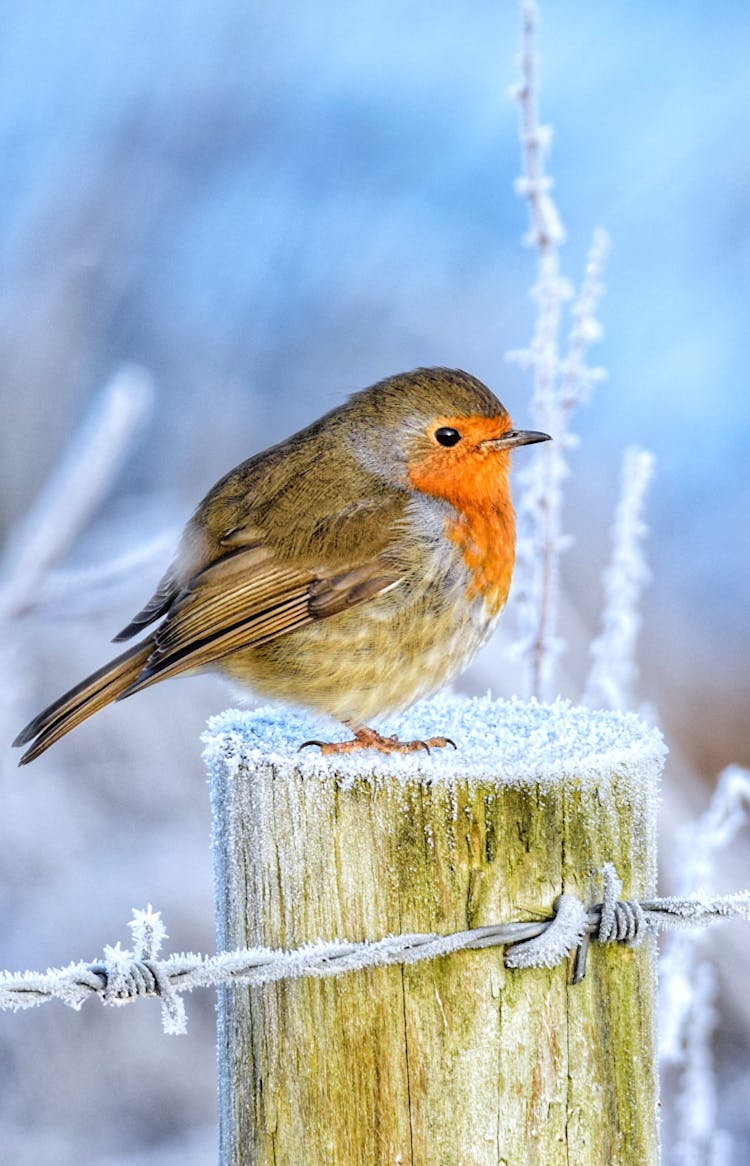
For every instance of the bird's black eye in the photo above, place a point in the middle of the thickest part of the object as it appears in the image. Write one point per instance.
(447, 436)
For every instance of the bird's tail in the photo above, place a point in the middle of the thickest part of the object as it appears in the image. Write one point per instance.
(86, 698)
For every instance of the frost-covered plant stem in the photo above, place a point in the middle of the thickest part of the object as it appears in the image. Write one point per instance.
(612, 678)
(688, 983)
(539, 512)
(74, 490)
(29, 578)
(559, 384)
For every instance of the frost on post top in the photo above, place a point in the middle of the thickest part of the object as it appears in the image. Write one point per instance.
(516, 742)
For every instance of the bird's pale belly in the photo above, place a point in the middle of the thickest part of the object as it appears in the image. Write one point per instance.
(373, 660)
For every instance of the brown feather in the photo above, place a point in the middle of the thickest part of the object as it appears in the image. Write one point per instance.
(225, 609)
(159, 602)
(242, 600)
(92, 694)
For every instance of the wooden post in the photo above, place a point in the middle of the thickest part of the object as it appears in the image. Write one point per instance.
(455, 1061)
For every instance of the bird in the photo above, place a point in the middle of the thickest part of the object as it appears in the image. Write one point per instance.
(352, 569)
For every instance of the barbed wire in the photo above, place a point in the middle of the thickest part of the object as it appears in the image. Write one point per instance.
(124, 975)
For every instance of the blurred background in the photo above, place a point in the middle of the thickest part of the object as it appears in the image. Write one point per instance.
(216, 219)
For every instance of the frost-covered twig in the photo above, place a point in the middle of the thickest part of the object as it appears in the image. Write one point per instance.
(75, 489)
(28, 575)
(560, 383)
(687, 981)
(612, 678)
(77, 586)
(577, 378)
(699, 848)
(699, 1141)
(125, 975)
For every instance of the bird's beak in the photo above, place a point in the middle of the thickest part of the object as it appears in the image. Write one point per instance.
(516, 437)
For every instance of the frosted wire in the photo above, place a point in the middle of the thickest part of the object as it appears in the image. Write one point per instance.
(125, 975)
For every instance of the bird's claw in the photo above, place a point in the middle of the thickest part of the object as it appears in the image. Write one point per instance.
(369, 739)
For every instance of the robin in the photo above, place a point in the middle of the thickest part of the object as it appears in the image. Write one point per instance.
(353, 568)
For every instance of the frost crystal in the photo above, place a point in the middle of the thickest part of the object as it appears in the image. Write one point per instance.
(612, 679)
(149, 933)
(515, 742)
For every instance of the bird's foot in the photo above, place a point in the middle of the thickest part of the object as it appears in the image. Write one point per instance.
(369, 739)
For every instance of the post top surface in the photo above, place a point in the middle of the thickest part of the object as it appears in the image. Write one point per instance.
(503, 741)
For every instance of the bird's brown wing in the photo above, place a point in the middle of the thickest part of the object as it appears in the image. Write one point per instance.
(159, 603)
(250, 596)
(169, 588)
(245, 597)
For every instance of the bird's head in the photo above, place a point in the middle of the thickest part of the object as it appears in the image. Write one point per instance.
(439, 431)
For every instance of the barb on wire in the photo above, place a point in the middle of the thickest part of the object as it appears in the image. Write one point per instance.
(125, 975)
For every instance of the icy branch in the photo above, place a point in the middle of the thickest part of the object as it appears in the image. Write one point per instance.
(699, 847)
(688, 985)
(546, 230)
(704, 841)
(78, 587)
(577, 379)
(612, 679)
(75, 489)
(559, 384)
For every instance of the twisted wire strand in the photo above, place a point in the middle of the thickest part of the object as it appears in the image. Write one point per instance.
(123, 976)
